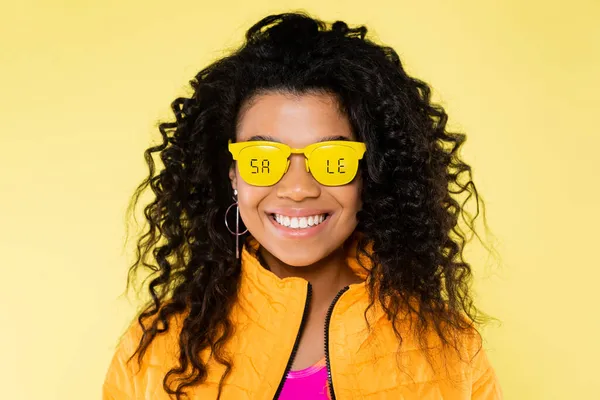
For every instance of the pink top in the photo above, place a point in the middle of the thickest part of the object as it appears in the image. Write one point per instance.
(309, 383)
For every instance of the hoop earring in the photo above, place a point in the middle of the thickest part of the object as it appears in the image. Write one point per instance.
(237, 232)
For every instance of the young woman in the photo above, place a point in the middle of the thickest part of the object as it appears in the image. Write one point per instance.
(305, 239)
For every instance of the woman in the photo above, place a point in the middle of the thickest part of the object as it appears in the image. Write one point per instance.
(305, 238)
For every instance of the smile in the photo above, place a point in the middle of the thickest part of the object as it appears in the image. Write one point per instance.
(297, 227)
(299, 222)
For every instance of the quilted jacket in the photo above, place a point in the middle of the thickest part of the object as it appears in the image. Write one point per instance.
(268, 317)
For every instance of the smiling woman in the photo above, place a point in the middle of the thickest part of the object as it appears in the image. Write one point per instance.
(350, 281)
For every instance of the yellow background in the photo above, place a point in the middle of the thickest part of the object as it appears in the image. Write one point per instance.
(83, 83)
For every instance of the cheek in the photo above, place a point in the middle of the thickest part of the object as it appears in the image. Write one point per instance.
(249, 198)
(348, 197)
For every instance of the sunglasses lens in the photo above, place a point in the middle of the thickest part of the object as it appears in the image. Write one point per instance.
(333, 165)
(262, 165)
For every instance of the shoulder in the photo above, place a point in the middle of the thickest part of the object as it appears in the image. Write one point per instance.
(119, 379)
(484, 381)
(465, 356)
(125, 375)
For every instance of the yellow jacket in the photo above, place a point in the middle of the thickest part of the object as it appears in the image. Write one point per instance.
(268, 317)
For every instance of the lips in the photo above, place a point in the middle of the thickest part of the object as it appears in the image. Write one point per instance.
(299, 223)
(299, 212)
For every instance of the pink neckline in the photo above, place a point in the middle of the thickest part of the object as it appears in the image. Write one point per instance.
(303, 373)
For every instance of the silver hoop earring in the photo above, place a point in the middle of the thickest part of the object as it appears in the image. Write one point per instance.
(237, 232)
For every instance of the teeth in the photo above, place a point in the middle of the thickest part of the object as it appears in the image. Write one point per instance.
(299, 222)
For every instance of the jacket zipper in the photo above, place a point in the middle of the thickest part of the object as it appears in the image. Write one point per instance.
(327, 320)
(296, 342)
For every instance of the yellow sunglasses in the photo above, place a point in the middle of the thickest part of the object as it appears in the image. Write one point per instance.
(331, 163)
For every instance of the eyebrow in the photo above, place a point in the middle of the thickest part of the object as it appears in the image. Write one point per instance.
(272, 139)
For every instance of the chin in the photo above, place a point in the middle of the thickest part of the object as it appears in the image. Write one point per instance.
(299, 257)
(299, 260)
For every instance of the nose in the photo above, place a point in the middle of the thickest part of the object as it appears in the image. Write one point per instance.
(298, 184)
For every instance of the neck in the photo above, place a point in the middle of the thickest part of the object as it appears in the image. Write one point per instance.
(327, 276)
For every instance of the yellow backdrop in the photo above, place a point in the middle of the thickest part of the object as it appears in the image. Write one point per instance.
(83, 83)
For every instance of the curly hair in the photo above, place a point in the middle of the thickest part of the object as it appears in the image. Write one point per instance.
(411, 174)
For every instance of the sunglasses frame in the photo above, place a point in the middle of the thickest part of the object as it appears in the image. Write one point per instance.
(235, 149)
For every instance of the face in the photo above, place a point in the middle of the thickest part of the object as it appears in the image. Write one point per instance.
(296, 121)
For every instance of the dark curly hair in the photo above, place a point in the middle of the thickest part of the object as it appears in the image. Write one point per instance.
(411, 174)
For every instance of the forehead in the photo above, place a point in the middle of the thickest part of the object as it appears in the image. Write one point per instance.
(296, 120)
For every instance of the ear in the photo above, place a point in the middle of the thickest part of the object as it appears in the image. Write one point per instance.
(232, 176)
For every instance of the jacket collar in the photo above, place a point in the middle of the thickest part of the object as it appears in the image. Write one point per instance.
(260, 285)
(257, 274)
